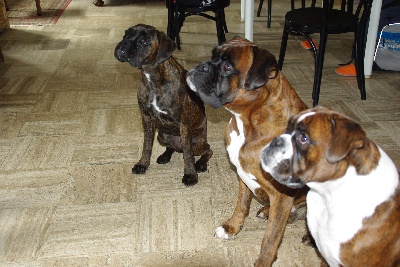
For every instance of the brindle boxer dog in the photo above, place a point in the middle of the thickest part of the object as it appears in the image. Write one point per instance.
(166, 103)
(245, 79)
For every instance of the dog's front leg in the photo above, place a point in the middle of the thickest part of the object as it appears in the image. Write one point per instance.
(233, 226)
(280, 206)
(190, 176)
(149, 133)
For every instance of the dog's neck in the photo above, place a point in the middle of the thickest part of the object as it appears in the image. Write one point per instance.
(153, 72)
(268, 100)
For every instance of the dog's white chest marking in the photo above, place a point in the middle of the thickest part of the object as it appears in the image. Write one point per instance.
(237, 141)
(154, 101)
(335, 209)
(156, 107)
(147, 75)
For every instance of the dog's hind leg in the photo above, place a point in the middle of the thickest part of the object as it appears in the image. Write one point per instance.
(298, 211)
(166, 156)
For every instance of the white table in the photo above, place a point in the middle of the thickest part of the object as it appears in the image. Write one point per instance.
(247, 14)
(370, 46)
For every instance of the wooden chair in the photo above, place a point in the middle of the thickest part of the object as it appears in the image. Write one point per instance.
(326, 20)
(179, 10)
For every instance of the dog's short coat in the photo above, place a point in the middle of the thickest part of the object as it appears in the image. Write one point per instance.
(245, 79)
(166, 103)
(353, 206)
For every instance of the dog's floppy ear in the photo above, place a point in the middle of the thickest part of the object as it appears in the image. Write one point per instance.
(165, 47)
(290, 125)
(346, 136)
(264, 67)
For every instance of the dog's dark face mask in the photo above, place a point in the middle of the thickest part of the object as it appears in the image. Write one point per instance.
(142, 45)
(205, 82)
(219, 80)
(134, 46)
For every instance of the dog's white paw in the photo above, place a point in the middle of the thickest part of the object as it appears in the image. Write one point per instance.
(221, 233)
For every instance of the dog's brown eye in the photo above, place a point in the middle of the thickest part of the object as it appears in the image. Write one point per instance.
(303, 139)
(226, 67)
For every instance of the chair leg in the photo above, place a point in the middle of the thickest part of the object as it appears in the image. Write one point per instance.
(359, 63)
(269, 13)
(224, 21)
(260, 7)
(177, 27)
(319, 65)
(360, 40)
(219, 22)
(170, 26)
(282, 52)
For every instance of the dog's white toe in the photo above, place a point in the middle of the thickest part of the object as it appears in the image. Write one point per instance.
(220, 233)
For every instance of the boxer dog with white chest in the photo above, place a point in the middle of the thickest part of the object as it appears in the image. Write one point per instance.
(245, 79)
(353, 206)
(166, 103)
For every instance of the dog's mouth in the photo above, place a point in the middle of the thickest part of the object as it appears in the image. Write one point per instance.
(205, 85)
(120, 55)
(293, 182)
(189, 80)
(289, 181)
(203, 89)
(121, 51)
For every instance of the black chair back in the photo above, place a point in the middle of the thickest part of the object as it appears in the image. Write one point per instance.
(179, 10)
(331, 17)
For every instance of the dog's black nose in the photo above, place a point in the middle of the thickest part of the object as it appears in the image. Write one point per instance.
(119, 54)
(204, 67)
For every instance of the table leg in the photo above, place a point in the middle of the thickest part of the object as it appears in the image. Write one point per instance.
(242, 8)
(371, 37)
(249, 18)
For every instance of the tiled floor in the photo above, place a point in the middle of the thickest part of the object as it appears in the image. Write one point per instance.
(70, 131)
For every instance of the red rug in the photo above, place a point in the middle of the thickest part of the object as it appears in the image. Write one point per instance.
(23, 12)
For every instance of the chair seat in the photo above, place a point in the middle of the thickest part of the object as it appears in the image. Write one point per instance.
(190, 7)
(200, 4)
(310, 20)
